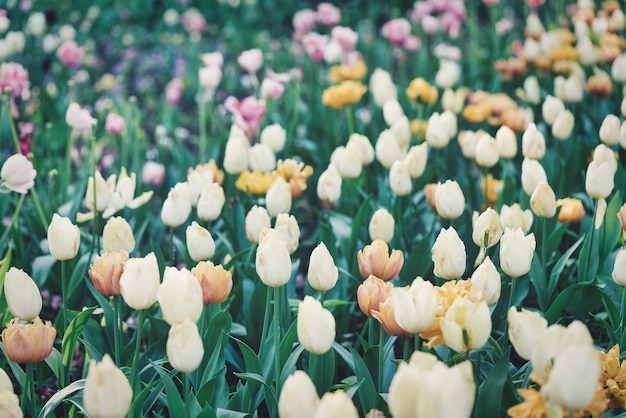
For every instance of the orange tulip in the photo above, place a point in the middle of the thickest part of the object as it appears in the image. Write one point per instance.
(28, 343)
(374, 259)
(216, 283)
(371, 293)
(106, 271)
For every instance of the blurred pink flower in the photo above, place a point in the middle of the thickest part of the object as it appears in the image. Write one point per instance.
(283, 78)
(271, 89)
(327, 14)
(115, 124)
(303, 21)
(346, 37)
(71, 54)
(174, 90)
(26, 130)
(193, 21)
(14, 78)
(18, 174)
(503, 26)
(420, 10)
(535, 3)
(210, 78)
(79, 119)
(314, 44)
(412, 43)
(26, 5)
(430, 24)
(213, 59)
(153, 173)
(397, 30)
(452, 24)
(251, 60)
(445, 51)
(247, 114)
(491, 2)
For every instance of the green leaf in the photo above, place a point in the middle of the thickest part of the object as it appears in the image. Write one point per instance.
(227, 413)
(560, 265)
(60, 396)
(55, 362)
(489, 401)
(41, 268)
(290, 365)
(322, 370)
(172, 400)
(344, 354)
(74, 329)
(572, 297)
(418, 263)
(367, 391)
(588, 260)
(537, 276)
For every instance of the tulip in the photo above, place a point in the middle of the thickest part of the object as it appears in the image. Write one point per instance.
(177, 207)
(278, 197)
(524, 328)
(533, 143)
(140, 282)
(271, 88)
(403, 389)
(487, 151)
(316, 326)
(273, 263)
(184, 346)
(23, 296)
(531, 89)
(437, 135)
(329, 185)
(448, 255)
(371, 293)
(18, 174)
(388, 149)
(209, 78)
(106, 272)
(543, 201)
(619, 268)
(79, 119)
(382, 87)
(344, 94)
(599, 180)
(572, 209)
(298, 397)
(487, 229)
(28, 343)
(117, 235)
(251, 60)
(261, 158)
(392, 111)
(211, 202)
(466, 325)
(468, 141)
(399, 179)
(449, 200)
(107, 392)
(486, 278)
(363, 145)
(115, 124)
(447, 392)
(200, 243)
(347, 161)
(551, 108)
(288, 227)
(416, 159)
(448, 74)
(516, 252)
(323, 273)
(385, 314)
(621, 215)
(532, 174)
(63, 238)
(256, 219)
(401, 130)
(563, 125)
(336, 405)
(381, 225)
(602, 154)
(215, 281)
(274, 136)
(180, 296)
(5, 383)
(374, 259)
(236, 152)
(414, 307)
(10, 405)
(514, 217)
(609, 130)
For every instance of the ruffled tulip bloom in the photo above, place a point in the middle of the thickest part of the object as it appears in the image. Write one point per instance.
(215, 281)
(336, 404)
(514, 217)
(140, 282)
(17, 174)
(449, 200)
(177, 207)
(344, 94)
(251, 60)
(322, 274)
(28, 343)
(184, 346)
(63, 238)
(273, 263)
(487, 229)
(486, 278)
(371, 293)
(22, 294)
(316, 326)
(329, 185)
(374, 259)
(78, 118)
(13, 78)
(466, 325)
(414, 307)
(298, 397)
(524, 328)
(381, 225)
(619, 268)
(247, 114)
(516, 252)
(180, 296)
(117, 235)
(106, 272)
(303, 21)
(70, 54)
(328, 14)
(115, 124)
(397, 31)
(107, 391)
(257, 218)
(448, 255)
(200, 243)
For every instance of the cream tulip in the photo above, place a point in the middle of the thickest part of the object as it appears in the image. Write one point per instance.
(288, 227)
(179, 296)
(117, 235)
(466, 325)
(392, 111)
(532, 174)
(514, 217)
(414, 307)
(236, 153)
(609, 130)
(506, 141)
(449, 200)
(403, 391)
(329, 185)
(524, 328)
(600, 179)
(298, 397)
(416, 159)
(278, 197)
(388, 149)
(363, 145)
(322, 273)
(447, 391)
(486, 278)
(487, 151)
(273, 263)
(348, 161)
(22, 294)
(533, 143)
(63, 238)
(184, 346)
(436, 133)
(551, 108)
(382, 87)
(382, 225)
(107, 392)
(563, 125)
(448, 255)
(200, 243)
(619, 268)
(257, 218)
(336, 405)
(516, 252)
(261, 158)
(140, 282)
(211, 202)
(487, 229)
(543, 200)
(399, 179)
(274, 136)
(177, 206)
(316, 326)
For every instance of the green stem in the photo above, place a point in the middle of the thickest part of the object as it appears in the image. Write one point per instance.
(64, 293)
(186, 392)
(322, 294)
(544, 246)
(42, 217)
(202, 121)
(16, 213)
(294, 118)
(350, 118)
(381, 357)
(68, 167)
(277, 340)
(622, 309)
(266, 316)
(117, 328)
(506, 322)
(172, 245)
(28, 392)
(14, 136)
(405, 349)
(134, 374)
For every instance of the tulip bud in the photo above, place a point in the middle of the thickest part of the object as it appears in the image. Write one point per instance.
(486, 278)
(533, 143)
(466, 325)
(448, 255)
(289, 229)
(107, 392)
(273, 263)
(106, 272)
(414, 307)
(399, 179)
(449, 200)
(200, 243)
(543, 201)
(23, 296)
(532, 174)
(599, 180)
(381, 225)
(117, 235)
(261, 158)
(437, 135)
(274, 136)
(572, 210)
(524, 328)
(322, 273)
(401, 130)
(177, 207)
(374, 259)
(531, 89)
(619, 268)
(382, 87)
(602, 154)
(329, 185)
(215, 281)
(392, 111)
(388, 149)
(211, 202)
(416, 159)
(516, 252)
(278, 197)
(506, 142)
(405, 385)
(621, 215)
(363, 145)
(298, 397)
(563, 125)
(336, 405)
(184, 346)
(448, 73)
(209, 78)
(10, 405)
(180, 296)
(140, 282)
(487, 229)
(236, 152)
(316, 326)
(609, 130)
(487, 151)
(63, 238)
(28, 343)
(371, 293)
(256, 219)
(551, 108)
(514, 217)
(468, 140)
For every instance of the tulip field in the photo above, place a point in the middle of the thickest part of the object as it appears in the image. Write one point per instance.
(294, 209)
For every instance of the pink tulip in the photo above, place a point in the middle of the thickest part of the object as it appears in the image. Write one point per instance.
(397, 30)
(153, 173)
(247, 114)
(412, 43)
(14, 78)
(327, 14)
(314, 44)
(174, 90)
(272, 89)
(115, 124)
(346, 37)
(71, 54)
(303, 21)
(193, 21)
(250, 60)
(18, 174)
(430, 24)
(78, 118)
(213, 59)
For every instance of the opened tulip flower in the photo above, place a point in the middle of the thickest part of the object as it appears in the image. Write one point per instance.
(414, 307)
(515, 217)
(23, 296)
(180, 296)
(336, 404)
(63, 238)
(298, 397)
(524, 328)
(30, 342)
(106, 272)
(184, 346)
(17, 174)
(215, 281)
(466, 325)
(107, 392)
(374, 259)
(316, 326)
(487, 229)
(140, 282)
(371, 293)
(385, 314)
(572, 210)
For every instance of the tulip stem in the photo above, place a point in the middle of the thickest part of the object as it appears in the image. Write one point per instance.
(620, 329)
(405, 349)
(117, 327)
(277, 340)
(506, 321)
(28, 392)
(134, 374)
(64, 294)
(381, 357)
(68, 167)
(202, 122)
(172, 245)
(16, 213)
(16, 140)
(266, 319)
(186, 392)
(350, 117)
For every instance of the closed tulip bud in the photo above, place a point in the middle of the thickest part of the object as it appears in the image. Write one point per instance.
(106, 272)
(573, 378)
(63, 238)
(211, 202)
(416, 159)
(487, 151)
(551, 108)
(298, 397)
(487, 229)
(23, 296)
(392, 111)
(5, 383)
(401, 130)
(336, 405)
(506, 141)
(256, 219)
(486, 278)
(437, 135)
(347, 161)
(449, 200)
(448, 255)
(448, 74)
(107, 391)
(604, 154)
(323, 273)
(273, 263)
(200, 243)
(387, 318)
(261, 158)
(619, 268)
(215, 281)
(363, 145)
(374, 259)
(405, 384)
(381, 225)
(599, 180)
(288, 227)
(572, 210)
(524, 328)
(184, 346)
(180, 296)
(466, 325)
(516, 252)
(609, 130)
(117, 235)
(28, 343)
(177, 207)
(563, 125)
(414, 307)
(543, 201)
(399, 179)
(316, 326)
(531, 89)
(278, 197)
(140, 282)
(514, 217)
(388, 149)
(329, 185)
(621, 215)
(532, 174)
(453, 100)
(371, 293)
(274, 136)
(382, 87)
(236, 152)
(447, 392)
(10, 405)
(533, 143)
(209, 78)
